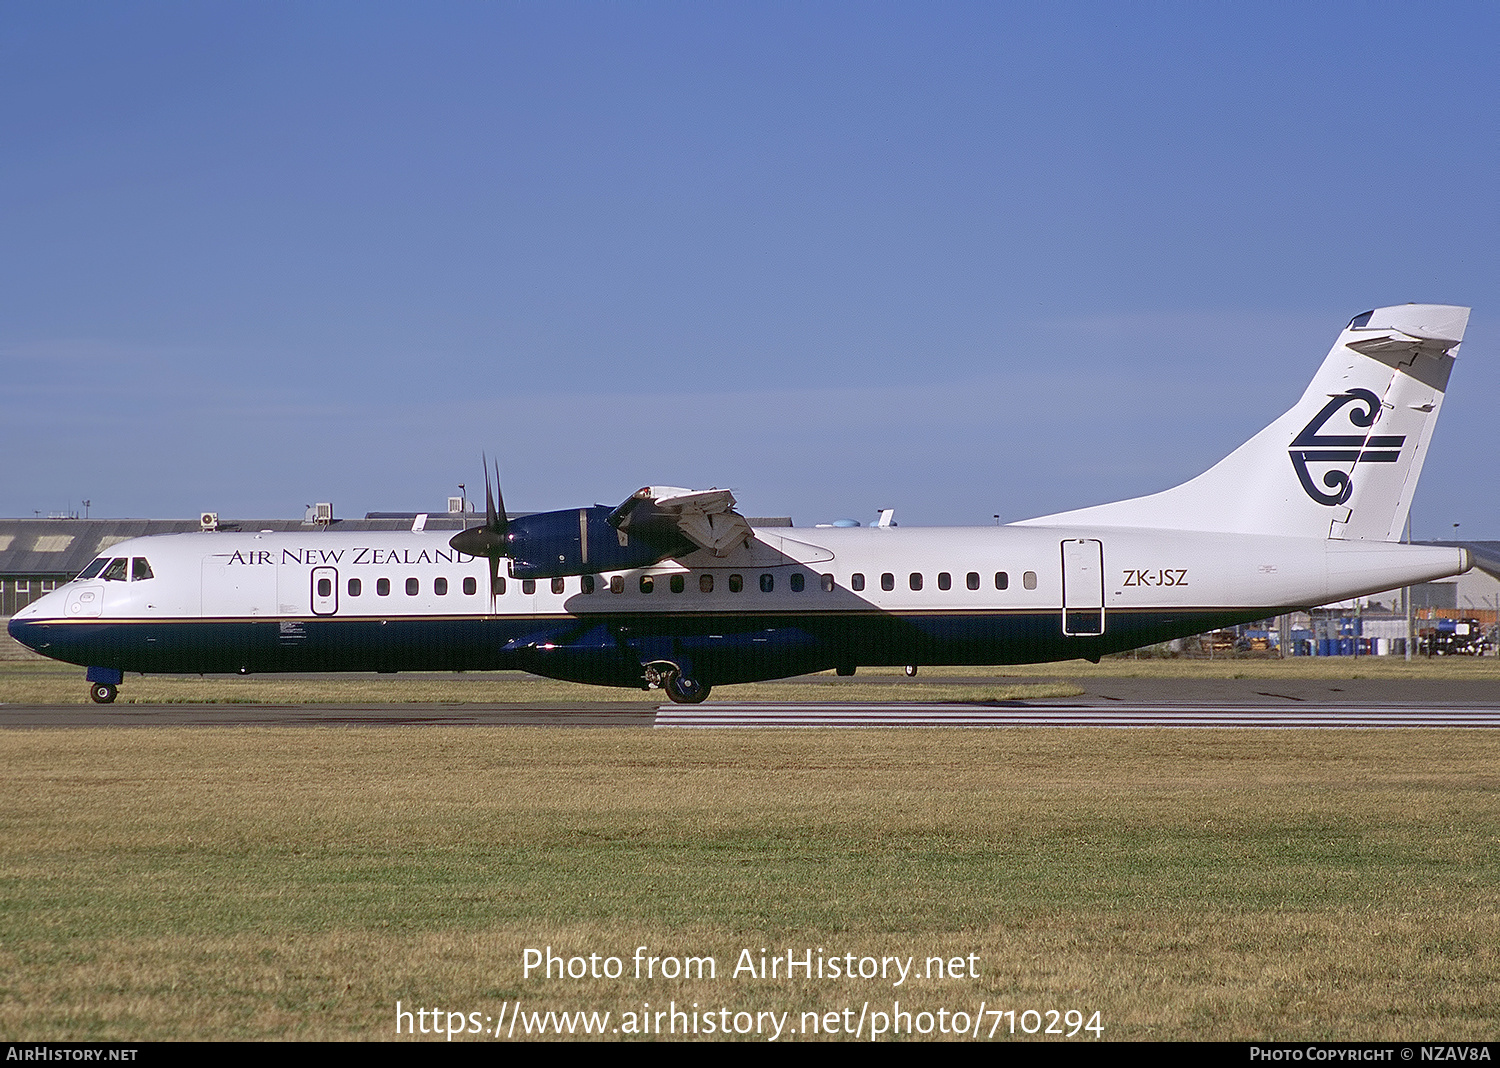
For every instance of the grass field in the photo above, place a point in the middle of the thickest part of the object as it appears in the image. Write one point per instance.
(266, 883)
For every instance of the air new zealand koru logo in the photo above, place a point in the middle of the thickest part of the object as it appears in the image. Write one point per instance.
(1343, 449)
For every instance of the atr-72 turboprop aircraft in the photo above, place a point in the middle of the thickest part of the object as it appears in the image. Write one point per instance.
(675, 589)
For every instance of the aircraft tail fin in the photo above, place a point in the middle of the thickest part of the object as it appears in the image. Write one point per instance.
(1343, 462)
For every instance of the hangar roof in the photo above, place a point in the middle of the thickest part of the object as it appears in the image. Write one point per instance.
(60, 548)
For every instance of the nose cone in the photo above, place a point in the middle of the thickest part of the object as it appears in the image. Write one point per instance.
(479, 541)
(28, 633)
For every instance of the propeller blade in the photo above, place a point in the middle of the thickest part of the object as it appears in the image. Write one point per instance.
(489, 540)
(489, 496)
(499, 521)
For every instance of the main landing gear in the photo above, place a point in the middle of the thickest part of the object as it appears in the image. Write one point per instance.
(685, 691)
(682, 689)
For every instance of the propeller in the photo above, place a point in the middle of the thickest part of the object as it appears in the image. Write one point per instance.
(492, 539)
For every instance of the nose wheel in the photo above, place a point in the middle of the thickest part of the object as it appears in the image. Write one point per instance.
(103, 693)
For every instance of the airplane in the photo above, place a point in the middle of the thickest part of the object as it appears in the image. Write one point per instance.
(675, 590)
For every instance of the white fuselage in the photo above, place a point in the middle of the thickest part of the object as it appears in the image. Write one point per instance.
(831, 596)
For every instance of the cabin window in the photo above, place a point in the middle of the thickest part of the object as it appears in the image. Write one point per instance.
(325, 587)
(617, 584)
(705, 584)
(678, 583)
(382, 587)
(798, 581)
(355, 587)
(887, 582)
(736, 583)
(1029, 580)
(412, 586)
(856, 582)
(498, 585)
(94, 568)
(972, 580)
(945, 580)
(586, 584)
(557, 585)
(827, 583)
(647, 584)
(440, 587)
(115, 572)
(767, 583)
(528, 587)
(470, 587)
(140, 570)
(1002, 580)
(914, 580)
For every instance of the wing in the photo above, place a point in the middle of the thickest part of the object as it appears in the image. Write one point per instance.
(704, 517)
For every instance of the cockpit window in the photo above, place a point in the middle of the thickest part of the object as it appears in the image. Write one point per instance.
(140, 570)
(94, 568)
(115, 572)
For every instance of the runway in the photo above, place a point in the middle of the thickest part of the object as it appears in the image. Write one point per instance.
(1108, 702)
(1265, 712)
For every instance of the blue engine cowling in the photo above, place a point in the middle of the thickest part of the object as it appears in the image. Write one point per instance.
(580, 541)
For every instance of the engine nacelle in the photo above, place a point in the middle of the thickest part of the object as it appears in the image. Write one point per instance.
(581, 541)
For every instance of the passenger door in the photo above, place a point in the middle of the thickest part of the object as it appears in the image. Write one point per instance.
(325, 591)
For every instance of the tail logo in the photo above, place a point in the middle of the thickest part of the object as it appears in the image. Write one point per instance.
(1344, 450)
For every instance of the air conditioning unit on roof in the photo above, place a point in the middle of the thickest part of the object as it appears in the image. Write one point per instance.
(320, 514)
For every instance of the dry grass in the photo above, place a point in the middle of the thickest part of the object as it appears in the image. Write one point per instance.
(219, 883)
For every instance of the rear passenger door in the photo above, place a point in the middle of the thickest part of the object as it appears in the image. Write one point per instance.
(1083, 587)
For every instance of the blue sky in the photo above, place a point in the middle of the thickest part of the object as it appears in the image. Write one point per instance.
(956, 259)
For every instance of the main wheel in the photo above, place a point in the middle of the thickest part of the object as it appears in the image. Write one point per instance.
(685, 691)
(911, 671)
(103, 693)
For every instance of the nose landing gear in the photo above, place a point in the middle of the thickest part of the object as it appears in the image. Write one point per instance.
(104, 684)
